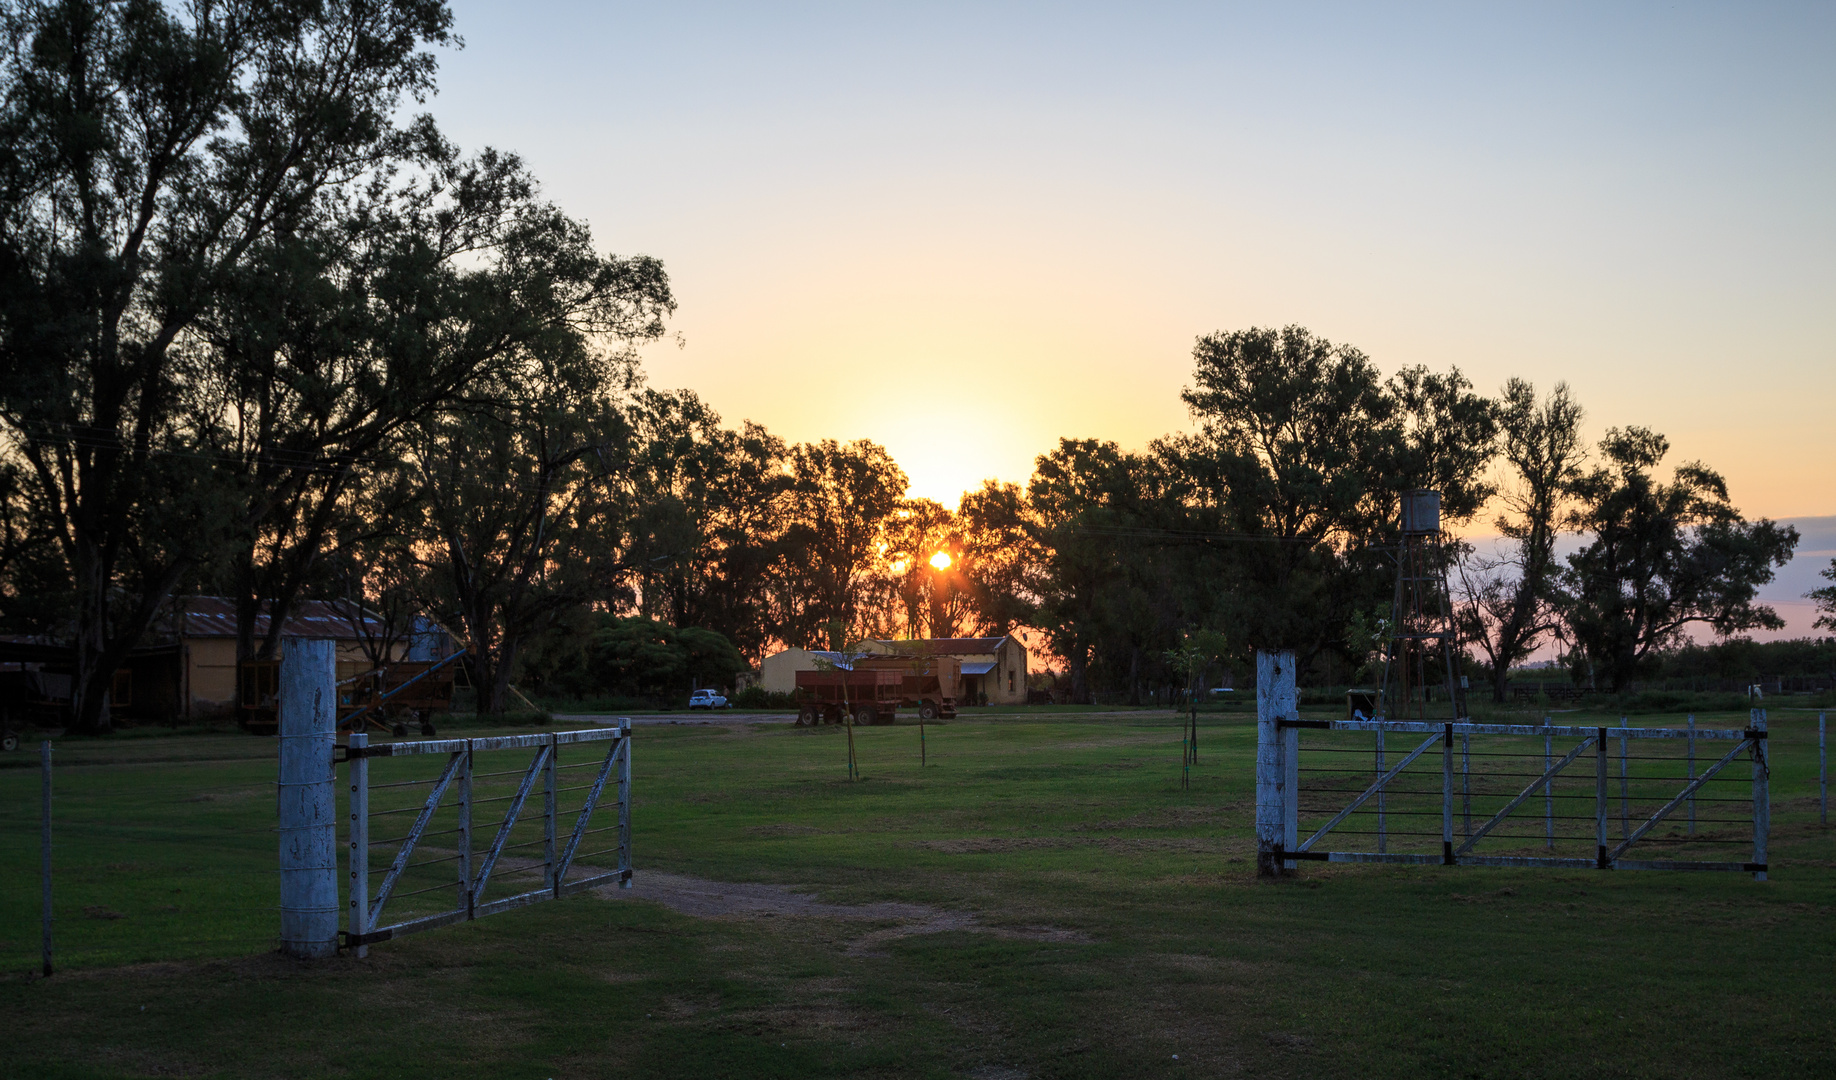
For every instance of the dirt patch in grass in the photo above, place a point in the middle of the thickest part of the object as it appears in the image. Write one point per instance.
(726, 899)
(999, 845)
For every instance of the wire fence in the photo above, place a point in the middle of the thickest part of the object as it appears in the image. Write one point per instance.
(151, 859)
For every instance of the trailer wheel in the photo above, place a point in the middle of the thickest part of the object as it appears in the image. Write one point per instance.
(806, 715)
(927, 711)
(865, 715)
(9, 741)
(427, 727)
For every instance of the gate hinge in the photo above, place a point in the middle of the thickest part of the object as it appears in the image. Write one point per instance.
(342, 753)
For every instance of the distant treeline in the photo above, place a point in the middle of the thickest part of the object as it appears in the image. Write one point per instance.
(1743, 658)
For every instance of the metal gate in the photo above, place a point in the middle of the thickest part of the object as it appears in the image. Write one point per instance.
(1467, 794)
(429, 880)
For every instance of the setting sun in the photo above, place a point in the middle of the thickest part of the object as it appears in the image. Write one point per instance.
(941, 560)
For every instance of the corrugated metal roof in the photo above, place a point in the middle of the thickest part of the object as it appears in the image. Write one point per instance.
(955, 646)
(978, 667)
(215, 616)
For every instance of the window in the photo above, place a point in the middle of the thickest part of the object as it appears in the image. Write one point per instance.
(1010, 680)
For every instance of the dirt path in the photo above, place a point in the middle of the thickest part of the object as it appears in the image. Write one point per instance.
(723, 899)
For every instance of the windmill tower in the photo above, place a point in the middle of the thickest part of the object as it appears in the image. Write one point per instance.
(1421, 644)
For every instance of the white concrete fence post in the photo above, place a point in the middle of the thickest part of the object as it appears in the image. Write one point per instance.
(1277, 762)
(308, 798)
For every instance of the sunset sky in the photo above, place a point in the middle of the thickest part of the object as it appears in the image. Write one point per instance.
(965, 231)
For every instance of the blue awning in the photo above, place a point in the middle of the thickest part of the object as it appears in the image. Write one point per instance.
(979, 667)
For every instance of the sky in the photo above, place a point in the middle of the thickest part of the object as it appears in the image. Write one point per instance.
(965, 231)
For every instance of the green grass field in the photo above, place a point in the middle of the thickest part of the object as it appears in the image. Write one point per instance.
(1117, 923)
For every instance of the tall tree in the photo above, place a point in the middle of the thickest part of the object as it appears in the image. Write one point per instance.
(842, 501)
(371, 317)
(1661, 557)
(147, 151)
(1000, 557)
(1509, 597)
(1295, 437)
(1085, 501)
(711, 507)
(518, 508)
(924, 560)
(1302, 456)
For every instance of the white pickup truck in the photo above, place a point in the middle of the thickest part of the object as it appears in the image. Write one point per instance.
(706, 699)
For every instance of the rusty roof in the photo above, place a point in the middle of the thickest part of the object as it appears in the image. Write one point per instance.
(215, 616)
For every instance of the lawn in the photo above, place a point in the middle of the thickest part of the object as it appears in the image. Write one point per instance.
(1094, 918)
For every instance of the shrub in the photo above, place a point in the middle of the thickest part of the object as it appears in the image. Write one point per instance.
(757, 697)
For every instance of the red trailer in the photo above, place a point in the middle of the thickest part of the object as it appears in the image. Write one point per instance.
(871, 696)
(929, 684)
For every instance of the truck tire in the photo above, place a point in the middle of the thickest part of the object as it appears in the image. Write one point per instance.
(927, 711)
(865, 715)
(9, 741)
(806, 716)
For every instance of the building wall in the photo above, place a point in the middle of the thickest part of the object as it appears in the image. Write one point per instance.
(1008, 679)
(778, 672)
(211, 664)
(210, 668)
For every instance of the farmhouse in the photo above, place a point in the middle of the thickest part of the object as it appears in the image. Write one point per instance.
(994, 668)
(191, 671)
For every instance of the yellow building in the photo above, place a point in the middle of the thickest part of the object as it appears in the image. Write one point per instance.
(202, 632)
(778, 672)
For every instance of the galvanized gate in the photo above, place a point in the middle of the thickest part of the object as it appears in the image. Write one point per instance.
(430, 881)
(1468, 794)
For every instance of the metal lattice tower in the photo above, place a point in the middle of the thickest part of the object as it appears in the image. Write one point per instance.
(1421, 633)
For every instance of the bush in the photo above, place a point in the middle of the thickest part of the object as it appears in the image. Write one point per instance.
(1679, 701)
(757, 697)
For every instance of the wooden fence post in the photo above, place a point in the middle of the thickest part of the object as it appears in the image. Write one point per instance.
(1276, 764)
(359, 832)
(308, 798)
(44, 852)
(1762, 800)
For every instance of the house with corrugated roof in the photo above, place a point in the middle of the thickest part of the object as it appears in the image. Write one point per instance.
(200, 632)
(994, 668)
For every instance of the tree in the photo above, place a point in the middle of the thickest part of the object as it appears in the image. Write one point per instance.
(711, 505)
(1000, 557)
(370, 317)
(1825, 599)
(1661, 557)
(1509, 599)
(1084, 499)
(524, 498)
(146, 152)
(635, 655)
(841, 502)
(924, 561)
(1300, 463)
